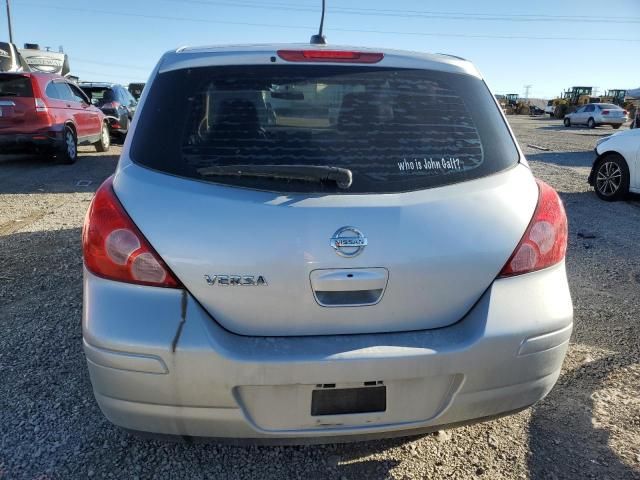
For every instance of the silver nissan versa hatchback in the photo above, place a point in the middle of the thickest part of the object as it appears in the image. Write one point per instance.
(311, 243)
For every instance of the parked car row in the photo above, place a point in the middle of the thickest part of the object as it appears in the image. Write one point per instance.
(45, 113)
(49, 114)
(115, 101)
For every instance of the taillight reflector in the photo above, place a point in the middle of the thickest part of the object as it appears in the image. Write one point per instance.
(545, 242)
(330, 56)
(41, 106)
(115, 249)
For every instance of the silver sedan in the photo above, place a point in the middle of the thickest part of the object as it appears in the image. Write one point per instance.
(595, 114)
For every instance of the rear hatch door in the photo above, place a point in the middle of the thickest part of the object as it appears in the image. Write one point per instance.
(17, 105)
(437, 205)
(432, 253)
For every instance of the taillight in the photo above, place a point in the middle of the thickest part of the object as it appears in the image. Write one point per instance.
(605, 112)
(115, 249)
(111, 105)
(41, 107)
(336, 56)
(545, 242)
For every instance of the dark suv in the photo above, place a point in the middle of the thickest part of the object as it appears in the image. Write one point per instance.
(135, 89)
(115, 101)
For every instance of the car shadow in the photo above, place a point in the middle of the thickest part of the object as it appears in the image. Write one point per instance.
(21, 174)
(598, 131)
(118, 139)
(564, 443)
(545, 118)
(565, 159)
(602, 269)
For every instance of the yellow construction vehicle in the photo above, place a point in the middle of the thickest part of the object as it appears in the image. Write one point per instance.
(571, 99)
(615, 96)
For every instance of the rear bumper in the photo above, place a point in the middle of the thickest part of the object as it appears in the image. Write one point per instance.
(610, 121)
(113, 120)
(46, 140)
(505, 355)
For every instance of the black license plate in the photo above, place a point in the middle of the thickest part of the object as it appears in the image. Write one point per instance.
(342, 401)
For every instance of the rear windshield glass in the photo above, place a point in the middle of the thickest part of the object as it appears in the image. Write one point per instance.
(609, 106)
(15, 86)
(99, 95)
(395, 129)
(6, 61)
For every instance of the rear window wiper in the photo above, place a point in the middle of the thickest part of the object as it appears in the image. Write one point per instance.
(306, 173)
(8, 94)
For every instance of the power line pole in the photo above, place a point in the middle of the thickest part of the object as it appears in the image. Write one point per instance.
(526, 91)
(9, 22)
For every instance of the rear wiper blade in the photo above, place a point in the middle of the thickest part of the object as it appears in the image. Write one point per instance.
(306, 173)
(8, 94)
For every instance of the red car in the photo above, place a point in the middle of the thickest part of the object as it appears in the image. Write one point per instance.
(45, 113)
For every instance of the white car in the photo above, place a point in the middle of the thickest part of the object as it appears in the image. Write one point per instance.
(595, 114)
(550, 109)
(616, 170)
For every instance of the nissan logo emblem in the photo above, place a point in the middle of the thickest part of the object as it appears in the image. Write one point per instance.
(348, 242)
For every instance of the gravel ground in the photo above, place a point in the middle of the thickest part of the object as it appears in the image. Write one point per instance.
(51, 427)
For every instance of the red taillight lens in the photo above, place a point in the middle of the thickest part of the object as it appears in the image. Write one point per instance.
(114, 248)
(329, 56)
(545, 242)
(605, 112)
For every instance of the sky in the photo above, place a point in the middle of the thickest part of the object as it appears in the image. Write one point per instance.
(550, 45)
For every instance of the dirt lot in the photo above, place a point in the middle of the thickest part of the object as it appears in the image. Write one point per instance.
(50, 426)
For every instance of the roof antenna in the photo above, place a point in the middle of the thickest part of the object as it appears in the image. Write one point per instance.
(319, 39)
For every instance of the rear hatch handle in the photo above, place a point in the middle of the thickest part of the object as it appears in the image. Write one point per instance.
(342, 177)
(349, 287)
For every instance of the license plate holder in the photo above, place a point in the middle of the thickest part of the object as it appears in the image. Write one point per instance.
(345, 401)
